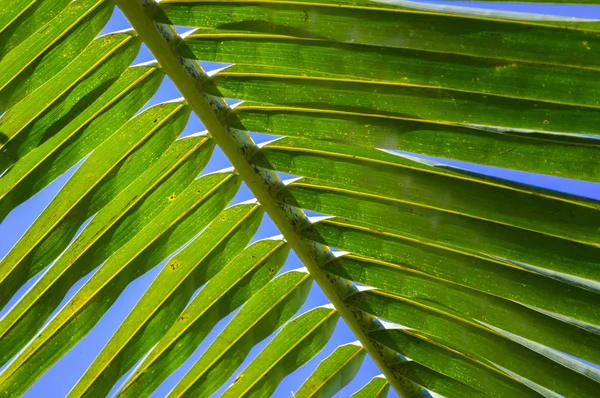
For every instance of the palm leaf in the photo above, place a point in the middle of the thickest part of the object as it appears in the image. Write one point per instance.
(298, 341)
(60, 151)
(377, 387)
(334, 372)
(453, 281)
(263, 313)
(173, 227)
(198, 262)
(50, 48)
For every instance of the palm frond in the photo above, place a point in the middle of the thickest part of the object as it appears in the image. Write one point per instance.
(453, 281)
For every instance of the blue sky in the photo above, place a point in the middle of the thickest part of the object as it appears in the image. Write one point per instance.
(63, 375)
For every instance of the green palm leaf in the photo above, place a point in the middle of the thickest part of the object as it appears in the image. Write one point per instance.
(377, 387)
(158, 126)
(51, 49)
(239, 280)
(298, 341)
(72, 142)
(19, 19)
(198, 262)
(453, 281)
(112, 227)
(334, 372)
(173, 227)
(262, 314)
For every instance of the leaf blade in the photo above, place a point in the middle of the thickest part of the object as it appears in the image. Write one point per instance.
(197, 263)
(296, 343)
(261, 315)
(377, 387)
(334, 372)
(192, 210)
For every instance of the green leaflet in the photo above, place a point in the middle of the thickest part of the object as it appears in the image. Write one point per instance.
(334, 372)
(261, 315)
(30, 121)
(111, 228)
(435, 381)
(152, 132)
(299, 56)
(487, 347)
(239, 280)
(375, 172)
(378, 387)
(299, 340)
(369, 23)
(563, 156)
(79, 137)
(21, 18)
(455, 365)
(487, 276)
(185, 216)
(399, 100)
(163, 302)
(460, 301)
(452, 230)
(45, 53)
